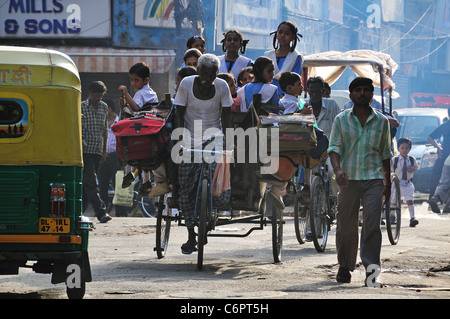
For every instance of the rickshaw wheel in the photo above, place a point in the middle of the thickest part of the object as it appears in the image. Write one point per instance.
(393, 213)
(202, 223)
(162, 229)
(318, 214)
(277, 233)
(301, 215)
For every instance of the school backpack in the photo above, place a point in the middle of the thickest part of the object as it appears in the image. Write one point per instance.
(142, 140)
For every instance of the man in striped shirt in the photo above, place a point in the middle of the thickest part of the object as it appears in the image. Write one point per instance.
(360, 152)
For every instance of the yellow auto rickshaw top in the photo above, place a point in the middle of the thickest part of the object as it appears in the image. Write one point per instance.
(43, 88)
(23, 66)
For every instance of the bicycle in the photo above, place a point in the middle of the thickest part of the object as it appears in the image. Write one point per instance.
(394, 217)
(320, 212)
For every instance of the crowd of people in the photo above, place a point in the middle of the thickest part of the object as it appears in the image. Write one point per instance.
(210, 88)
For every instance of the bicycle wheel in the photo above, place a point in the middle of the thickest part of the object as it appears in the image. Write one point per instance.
(162, 228)
(202, 221)
(301, 215)
(277, 233)
(147, 207)
(318, 214)
(393, 213)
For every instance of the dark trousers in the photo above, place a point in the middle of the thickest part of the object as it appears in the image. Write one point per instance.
(107, 173)
(91, 191)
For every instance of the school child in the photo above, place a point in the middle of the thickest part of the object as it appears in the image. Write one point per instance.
(139, 75)
(182, 73)
(404, 166)
(291, 83)
(263, 72)
(191, 57)
(196, 42)
(245, 76)
(233, 43)
(284, 55)
(229, 78)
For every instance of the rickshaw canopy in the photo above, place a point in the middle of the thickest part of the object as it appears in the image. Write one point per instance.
(378, 66)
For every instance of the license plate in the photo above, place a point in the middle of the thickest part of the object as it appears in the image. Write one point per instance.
(54, 225)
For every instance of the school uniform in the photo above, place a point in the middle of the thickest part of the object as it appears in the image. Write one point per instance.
(236, 67)
(400, 166)
(293, 62)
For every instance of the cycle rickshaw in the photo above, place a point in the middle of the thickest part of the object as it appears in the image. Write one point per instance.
(248, 195)
(41, 168)
(320, 212)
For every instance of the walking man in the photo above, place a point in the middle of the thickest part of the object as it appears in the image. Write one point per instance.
(360, 153)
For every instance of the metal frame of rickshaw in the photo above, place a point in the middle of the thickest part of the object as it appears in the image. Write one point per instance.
(258, 217)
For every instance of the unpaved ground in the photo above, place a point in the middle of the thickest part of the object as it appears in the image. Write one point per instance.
(124, 266)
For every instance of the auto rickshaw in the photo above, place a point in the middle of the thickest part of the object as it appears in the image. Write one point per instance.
(41, 167)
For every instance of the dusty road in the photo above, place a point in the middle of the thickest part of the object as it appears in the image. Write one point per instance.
(124, 266)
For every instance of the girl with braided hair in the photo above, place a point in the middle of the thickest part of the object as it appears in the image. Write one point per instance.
(284, 55)
(233, 43)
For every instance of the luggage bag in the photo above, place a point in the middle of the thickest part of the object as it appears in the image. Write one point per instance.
(296, 131)
(142, 140)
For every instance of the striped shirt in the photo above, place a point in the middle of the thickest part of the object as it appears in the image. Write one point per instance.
(94, 127)
(361, 148)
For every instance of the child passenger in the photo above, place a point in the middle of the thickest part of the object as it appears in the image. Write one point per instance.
(263, 72)
(284, 55)
(245, 76)
(291, 83)
(229, 78)
(231, 62)
(139, 75)
(404, 166)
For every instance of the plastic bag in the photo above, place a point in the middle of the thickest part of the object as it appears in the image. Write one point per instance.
(221, 178)
(123, 196)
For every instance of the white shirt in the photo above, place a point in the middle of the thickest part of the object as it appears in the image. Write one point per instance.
(207, 111)
(290, 103)
(145, 95)
(327, 115)
(399, 169)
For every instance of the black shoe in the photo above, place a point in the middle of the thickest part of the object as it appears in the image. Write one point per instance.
(105, 218)
(413, 222)
(144, 189)
(127, 180)
(189, 247)
(343, 275)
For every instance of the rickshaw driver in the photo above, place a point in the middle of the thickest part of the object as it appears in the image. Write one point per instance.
(205, 98)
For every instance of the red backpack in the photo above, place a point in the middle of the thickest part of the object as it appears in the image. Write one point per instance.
(142, 140)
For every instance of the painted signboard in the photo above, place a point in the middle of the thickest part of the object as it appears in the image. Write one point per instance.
(55, 19)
